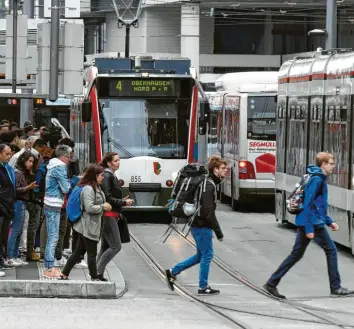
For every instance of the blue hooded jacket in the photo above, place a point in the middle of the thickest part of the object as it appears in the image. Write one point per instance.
(314, 212)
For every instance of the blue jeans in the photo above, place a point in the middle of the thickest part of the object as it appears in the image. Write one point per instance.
(52, 223)
(323, 239)
(203, 238)
(17, 228)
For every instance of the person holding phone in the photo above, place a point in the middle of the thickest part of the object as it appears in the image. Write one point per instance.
(24, 166)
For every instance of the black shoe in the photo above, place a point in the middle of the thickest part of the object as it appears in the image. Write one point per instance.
(170, 279)
(5, 266)
(62, 277)
(273, 291)
(342, 292)
(207, 291)
(102, 278)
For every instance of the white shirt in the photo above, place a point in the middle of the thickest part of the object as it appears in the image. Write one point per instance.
(14, 159)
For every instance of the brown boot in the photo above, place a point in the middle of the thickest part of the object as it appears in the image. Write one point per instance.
(33, 256)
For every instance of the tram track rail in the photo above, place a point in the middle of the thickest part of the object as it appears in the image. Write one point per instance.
(226, 268)
(180, 289)
(219, 309)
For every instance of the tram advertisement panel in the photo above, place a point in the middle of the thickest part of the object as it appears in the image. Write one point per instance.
(261, 133)
(262, 155)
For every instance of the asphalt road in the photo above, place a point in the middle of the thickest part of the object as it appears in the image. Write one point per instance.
(254, 244)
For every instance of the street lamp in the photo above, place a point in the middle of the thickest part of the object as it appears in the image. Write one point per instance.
(317, 33)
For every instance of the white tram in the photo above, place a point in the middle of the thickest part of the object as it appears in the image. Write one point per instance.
(315, 113)
(243, 121)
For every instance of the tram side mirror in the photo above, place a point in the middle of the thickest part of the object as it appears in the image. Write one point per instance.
(204, 117)
(204, 110)
(276, 99)
(202, 127)
(86, 111)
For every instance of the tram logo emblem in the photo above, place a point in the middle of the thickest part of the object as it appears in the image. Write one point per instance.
(157, 168)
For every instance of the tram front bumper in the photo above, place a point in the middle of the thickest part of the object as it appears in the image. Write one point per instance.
(147, 196)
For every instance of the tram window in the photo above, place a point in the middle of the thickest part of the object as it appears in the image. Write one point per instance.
(298, 113)
(292, 112)
(302, 112)
(315, 112)
(331, 113)
(281, 112)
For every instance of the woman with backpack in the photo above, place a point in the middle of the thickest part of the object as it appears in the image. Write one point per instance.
(111, 243)
(23, 168)
(93, 204)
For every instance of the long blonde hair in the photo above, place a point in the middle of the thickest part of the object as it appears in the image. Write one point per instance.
(20, 143)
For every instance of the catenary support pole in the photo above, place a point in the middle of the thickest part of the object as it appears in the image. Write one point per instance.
(54, 50)
(127, 40)
(26, 105)
(331, 24)
(14, 45)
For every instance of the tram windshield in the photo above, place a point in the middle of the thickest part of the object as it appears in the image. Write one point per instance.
(139, 127)
(261, 117)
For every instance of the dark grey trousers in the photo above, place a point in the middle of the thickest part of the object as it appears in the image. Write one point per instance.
(110, 243)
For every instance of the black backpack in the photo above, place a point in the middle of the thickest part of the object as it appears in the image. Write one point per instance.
(187, 191)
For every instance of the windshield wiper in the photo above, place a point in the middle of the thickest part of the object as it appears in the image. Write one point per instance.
(120, 147)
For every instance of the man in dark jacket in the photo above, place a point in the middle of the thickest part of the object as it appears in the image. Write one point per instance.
(311, 222)
(7, 202)
(202, 231)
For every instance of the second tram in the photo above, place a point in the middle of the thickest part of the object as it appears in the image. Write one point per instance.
(243, 120)
(314, 114)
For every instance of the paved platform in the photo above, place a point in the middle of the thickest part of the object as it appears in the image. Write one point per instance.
(28, 281)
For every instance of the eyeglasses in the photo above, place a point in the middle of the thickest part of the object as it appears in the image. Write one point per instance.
(331, 163)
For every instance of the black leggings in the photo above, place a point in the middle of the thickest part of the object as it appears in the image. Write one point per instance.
(83, 245)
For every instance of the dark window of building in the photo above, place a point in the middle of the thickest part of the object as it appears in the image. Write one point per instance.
(238, 33)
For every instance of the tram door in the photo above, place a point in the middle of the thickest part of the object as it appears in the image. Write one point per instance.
(45, 110)
(10, 109)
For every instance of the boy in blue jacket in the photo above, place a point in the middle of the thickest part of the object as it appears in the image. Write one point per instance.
(311, 222)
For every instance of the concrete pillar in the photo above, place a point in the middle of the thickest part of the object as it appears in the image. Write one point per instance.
(190, 33)
(26, 105)
(331, 24)
(268, 36)
(28, 8)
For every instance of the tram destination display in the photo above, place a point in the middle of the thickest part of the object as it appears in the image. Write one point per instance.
(136, 87)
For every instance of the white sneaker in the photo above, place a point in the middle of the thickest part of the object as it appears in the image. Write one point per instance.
(60, 263)
(21, 261)
(13, 262)
(82, 264)
(2, 274)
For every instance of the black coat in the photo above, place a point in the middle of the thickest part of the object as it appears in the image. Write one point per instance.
(113, 191)
(207, 216)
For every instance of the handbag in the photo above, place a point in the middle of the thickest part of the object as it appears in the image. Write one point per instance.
(123, 229)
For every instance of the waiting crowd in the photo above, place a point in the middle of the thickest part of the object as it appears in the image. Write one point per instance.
(38, 173)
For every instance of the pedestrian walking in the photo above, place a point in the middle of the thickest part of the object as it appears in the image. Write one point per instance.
(311, 225)
(111, 243)
(202, 231)
(93, 204)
